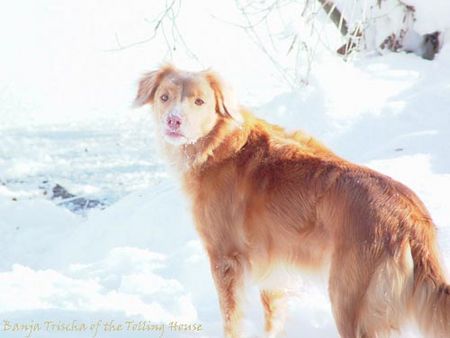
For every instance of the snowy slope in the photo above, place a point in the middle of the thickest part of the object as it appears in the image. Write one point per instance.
(139, 258)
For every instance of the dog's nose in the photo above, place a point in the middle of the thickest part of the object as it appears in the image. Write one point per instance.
(173, 122)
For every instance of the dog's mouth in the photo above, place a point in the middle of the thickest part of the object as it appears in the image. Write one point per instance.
(175, 137)
(174, 133)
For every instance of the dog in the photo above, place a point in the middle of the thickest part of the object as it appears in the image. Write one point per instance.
(264, 198)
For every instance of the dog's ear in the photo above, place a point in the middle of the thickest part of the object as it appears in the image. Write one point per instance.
(148, 84)
(226, 103)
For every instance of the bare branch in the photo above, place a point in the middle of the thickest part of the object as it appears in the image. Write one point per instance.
(164, 24)
(335, 15)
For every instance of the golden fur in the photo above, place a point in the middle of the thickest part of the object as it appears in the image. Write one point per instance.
(262, 197)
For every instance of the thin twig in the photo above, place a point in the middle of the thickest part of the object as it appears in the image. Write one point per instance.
(158, 25)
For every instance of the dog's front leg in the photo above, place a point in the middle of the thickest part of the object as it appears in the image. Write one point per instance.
(275, 308)
(228, 273)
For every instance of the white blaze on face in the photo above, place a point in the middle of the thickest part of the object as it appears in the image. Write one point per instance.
(175, 136)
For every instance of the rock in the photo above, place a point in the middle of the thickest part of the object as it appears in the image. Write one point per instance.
(61, 192)
(73, 202)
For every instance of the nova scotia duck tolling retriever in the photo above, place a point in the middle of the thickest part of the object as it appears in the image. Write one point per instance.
(264, 198)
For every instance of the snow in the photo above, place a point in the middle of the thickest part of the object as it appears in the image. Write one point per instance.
(66, 119)
(431, 16)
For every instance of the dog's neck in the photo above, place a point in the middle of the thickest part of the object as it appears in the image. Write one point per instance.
(221, 142)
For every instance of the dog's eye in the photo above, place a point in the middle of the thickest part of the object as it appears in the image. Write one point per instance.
(164, 97)
(199, 102)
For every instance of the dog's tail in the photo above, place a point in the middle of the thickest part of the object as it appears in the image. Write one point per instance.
(431, 293)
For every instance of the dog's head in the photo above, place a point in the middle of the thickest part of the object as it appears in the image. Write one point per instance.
(186, 105)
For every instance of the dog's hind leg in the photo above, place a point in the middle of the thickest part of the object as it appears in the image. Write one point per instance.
(369, 293)
(275, 308)
(348, 283)
(388, 297)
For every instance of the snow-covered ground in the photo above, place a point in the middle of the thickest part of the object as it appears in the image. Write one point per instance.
(64, 107)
